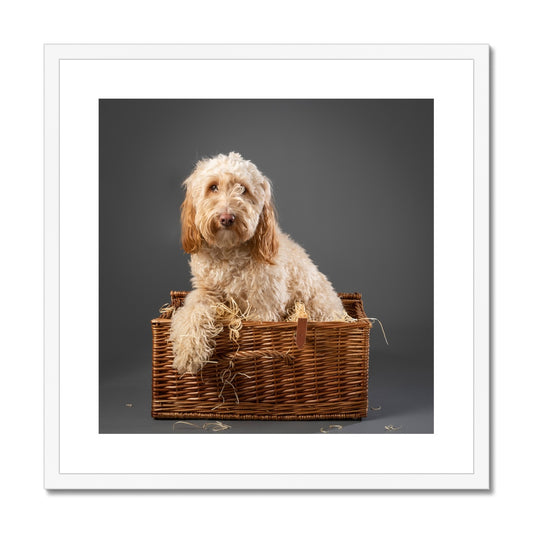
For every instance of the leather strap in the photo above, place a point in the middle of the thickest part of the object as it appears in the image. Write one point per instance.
(301, 332)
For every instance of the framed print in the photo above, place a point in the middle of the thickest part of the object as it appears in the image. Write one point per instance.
(378, 158)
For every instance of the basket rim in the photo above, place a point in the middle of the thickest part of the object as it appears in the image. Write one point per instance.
(342, 295)
(359, 322)
(362, 321)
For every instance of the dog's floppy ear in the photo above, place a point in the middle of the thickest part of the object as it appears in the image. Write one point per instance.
(191, 240)
(265, 242)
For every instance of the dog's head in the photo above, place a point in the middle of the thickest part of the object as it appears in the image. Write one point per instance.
(228, 202)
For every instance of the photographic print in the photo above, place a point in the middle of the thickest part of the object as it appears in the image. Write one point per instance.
(253, 259)
(351, 181)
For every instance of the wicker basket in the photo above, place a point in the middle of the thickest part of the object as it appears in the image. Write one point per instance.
(266, 376)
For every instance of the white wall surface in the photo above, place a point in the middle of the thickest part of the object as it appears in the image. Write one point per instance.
(26, 25)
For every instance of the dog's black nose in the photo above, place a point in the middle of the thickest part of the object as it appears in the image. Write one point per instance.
(227, 219)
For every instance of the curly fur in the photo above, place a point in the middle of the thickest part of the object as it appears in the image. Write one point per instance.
(251, 262)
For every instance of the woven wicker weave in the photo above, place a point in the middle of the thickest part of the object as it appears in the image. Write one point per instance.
(266, 376)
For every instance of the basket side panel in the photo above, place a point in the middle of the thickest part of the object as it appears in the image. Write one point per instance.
(265, 377)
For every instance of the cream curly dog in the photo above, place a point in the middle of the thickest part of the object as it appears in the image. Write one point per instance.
(238, 252)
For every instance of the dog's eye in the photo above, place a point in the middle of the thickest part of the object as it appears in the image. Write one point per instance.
(213, 188)
(243, 189)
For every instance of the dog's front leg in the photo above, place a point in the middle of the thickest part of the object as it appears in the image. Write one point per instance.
(193, 330)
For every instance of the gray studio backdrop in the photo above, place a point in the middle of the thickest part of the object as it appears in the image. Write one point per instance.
(353, 183)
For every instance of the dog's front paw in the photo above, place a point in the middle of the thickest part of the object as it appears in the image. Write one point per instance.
(185, 364)
(193, 341)
(193, 330)
(189, 353)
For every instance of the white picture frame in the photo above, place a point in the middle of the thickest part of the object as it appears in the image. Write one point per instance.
(456, 456)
